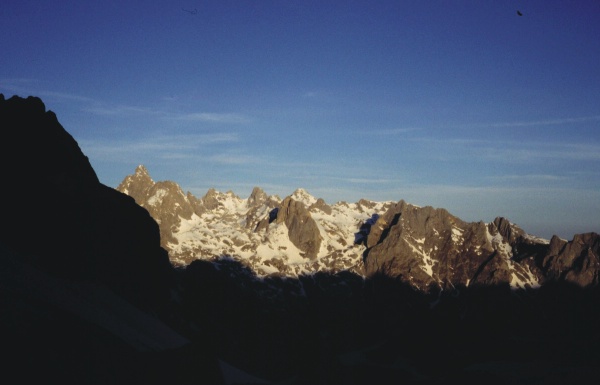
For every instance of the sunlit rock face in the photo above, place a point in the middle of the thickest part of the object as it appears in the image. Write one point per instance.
(431, 248)
(425, 247)
(302, 228)
(297, 235)
(165, 201)
(576, 261)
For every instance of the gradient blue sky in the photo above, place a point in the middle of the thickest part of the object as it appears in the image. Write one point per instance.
(457, 104)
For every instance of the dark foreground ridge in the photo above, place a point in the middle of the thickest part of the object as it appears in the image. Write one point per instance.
(85, 286)
(88, 296)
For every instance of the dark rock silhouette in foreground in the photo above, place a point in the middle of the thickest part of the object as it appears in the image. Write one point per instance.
(84, 285)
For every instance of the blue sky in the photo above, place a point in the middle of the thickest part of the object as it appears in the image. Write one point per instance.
(457, 104)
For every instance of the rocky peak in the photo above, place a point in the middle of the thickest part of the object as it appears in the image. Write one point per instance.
(302, 228)
(137, 185)
(34, 135)
(164, 200)
(426, 247)
(301, 195)
(366, 205)
(142, 172)
(211, 199)
(196, 204)
(383, 223)
(257, 197)
(508, 230)
(576, 261)
(320, 205)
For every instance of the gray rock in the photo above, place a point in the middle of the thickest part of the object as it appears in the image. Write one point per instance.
(429, 247)
(165, 201)
(575, 261)
(302, 228)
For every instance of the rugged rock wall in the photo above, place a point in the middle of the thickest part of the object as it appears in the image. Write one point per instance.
(427, 246)
(58, 214)
(577, 261)
(430, 247)
(424, 246)
(85, 288)
(302, 228)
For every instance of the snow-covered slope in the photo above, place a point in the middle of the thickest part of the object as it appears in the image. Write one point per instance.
(223, 224)
(302, 234)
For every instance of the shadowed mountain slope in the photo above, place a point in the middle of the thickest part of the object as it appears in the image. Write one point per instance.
(84, 285)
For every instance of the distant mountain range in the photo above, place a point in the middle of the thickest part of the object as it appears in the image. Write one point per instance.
(423, 246)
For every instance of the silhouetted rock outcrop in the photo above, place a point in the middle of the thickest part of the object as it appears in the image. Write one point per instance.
(85, 286)
(64, 218)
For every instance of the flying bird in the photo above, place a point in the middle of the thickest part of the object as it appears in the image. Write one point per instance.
(193, 11)
(519, 13)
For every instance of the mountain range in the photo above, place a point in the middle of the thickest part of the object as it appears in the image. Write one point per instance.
(145, 284)
(423, 246)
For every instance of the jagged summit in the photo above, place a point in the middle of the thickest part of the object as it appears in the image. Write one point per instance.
(301, 234)
(138, 184)
(141, 169)
(257, 196)
(301, 195)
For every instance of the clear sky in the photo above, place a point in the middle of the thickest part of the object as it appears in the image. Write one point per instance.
(457, 104)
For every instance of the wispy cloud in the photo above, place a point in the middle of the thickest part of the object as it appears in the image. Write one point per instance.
(556, 151)
(235, 158)
(26, 87)
(122, 110)
(548, 122)
(394, 131)
(29, 87)
(171, 147)
(213, 117)
(529, 178)
(126, 110)
(507, 151)
(64, 96)
(367, 180)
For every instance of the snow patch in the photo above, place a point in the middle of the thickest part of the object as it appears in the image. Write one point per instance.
(157, 198)
(428, 262)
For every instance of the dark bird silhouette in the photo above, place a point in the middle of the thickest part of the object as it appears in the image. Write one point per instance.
(519, 13)
(193, 11)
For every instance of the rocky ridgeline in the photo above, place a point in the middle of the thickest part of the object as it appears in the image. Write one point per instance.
(295, 235)
(300, 234)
